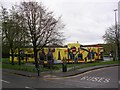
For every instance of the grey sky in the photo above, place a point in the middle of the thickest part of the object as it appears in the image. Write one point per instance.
(85, 20)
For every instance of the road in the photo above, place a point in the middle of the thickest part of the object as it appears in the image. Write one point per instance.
(99, 78)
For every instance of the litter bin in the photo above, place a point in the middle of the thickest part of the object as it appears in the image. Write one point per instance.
(64, 67)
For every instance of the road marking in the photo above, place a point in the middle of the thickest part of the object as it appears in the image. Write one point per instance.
(96, 79)
(27, 87)
(50, 76)
(75, 75)
(5, 81)
(86, 72)
(119, 82)
(30, 88)
(87, 87)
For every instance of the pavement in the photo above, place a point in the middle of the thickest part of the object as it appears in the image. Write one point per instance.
(56, 73)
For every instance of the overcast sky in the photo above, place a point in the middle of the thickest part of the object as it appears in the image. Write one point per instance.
(85, 20)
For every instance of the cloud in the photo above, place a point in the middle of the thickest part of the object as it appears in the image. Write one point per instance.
(86, 20)
(93, 18)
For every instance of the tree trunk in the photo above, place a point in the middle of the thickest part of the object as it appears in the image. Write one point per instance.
(35, 57)
(36, 60)
(12, 52)
(19, 62)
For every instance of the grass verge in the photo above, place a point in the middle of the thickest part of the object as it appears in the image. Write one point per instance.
(0, 65)
(23, 67)
(6, 64)
(96, 64)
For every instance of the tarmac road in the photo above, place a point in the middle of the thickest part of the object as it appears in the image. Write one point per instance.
(99, 78)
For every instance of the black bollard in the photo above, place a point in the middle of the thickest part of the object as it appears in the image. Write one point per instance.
(64, 66)
(38, 71)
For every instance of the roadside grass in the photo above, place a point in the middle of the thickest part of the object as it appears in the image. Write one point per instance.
(59, 66)
(96, 64)
(31, 68)
(0, 62)
(0, 65)
(7, 64)
(23, 67)
(85, 65)
(7, 61)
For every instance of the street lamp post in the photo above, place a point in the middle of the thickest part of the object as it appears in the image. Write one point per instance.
(116, 33)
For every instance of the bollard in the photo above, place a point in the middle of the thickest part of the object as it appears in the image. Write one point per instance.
(38, 70)
(64, 66)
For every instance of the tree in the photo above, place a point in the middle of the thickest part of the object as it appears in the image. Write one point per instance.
(12, 30)
(112, 38)
(8, 30)
(22, 37)
(42, 27)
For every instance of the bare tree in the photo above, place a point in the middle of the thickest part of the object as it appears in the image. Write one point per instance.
(42, 27)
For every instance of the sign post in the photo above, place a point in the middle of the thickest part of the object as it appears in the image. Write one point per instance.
(74, 52)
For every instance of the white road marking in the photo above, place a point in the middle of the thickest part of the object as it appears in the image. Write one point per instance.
(27, 87)
(50, 76)
(30, 88)
(119, 82)
(87, 87)
(75, 75)
(96, 79)
(86, 73)
(5, 81)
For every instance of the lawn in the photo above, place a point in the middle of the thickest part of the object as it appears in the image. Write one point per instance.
(7, 64)
(97, 64)
(31, 68)
(0, 65)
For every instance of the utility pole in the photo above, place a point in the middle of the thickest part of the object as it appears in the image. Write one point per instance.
(116, 33)
(119, 30)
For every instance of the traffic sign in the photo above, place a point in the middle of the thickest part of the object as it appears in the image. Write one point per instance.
(73, 49)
